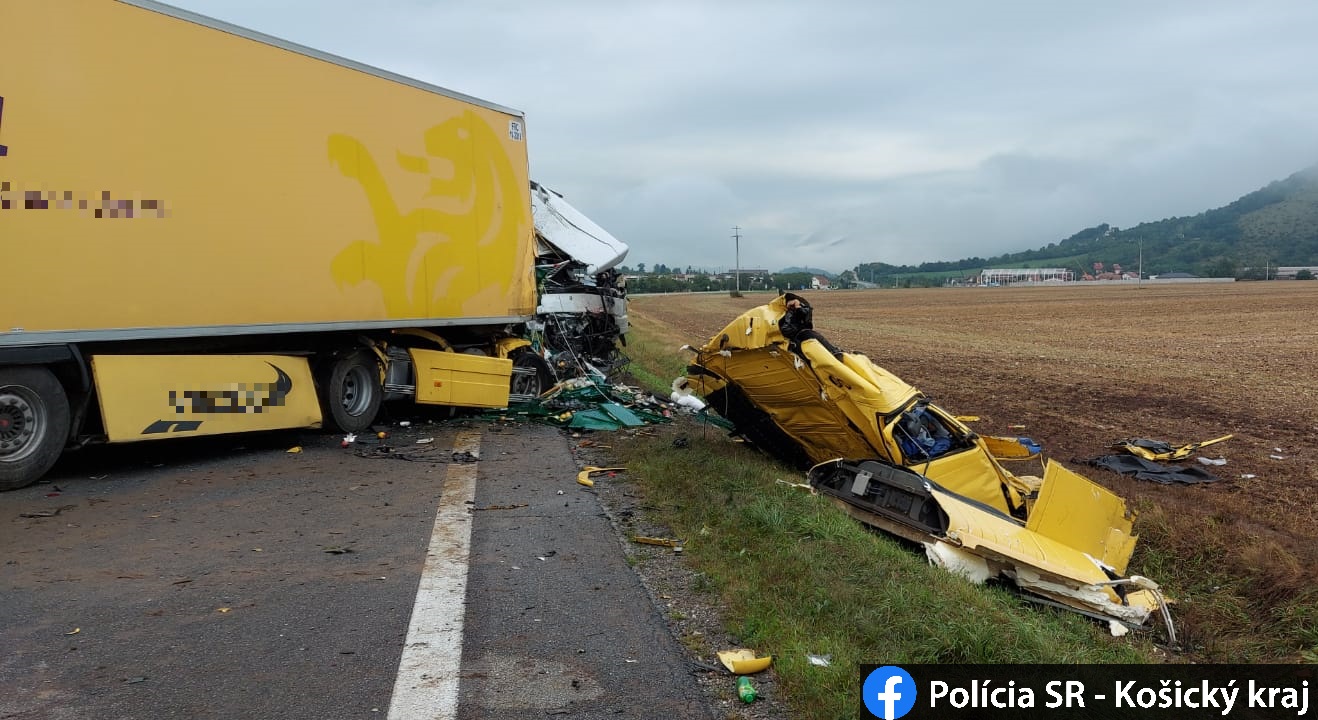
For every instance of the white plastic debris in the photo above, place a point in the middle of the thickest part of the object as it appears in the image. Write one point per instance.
(820, 660)
(1211, 461)
(682, 396)
(1248, 476)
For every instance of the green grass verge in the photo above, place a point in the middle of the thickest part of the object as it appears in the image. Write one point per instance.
(798, 576)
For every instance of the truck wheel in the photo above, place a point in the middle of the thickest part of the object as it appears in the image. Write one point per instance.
(531, 376)
(34, 424)
(351, 393)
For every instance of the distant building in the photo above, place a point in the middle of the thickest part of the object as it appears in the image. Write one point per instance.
(1015, 275)
(1288, 272)
(819, 282)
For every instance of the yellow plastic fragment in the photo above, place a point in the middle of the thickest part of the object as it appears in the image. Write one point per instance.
(583, 477)
(295, 449)
(743, 661)
(663, 542)
(74, 631)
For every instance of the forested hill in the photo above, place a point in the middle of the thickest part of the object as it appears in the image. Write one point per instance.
(1275, 225)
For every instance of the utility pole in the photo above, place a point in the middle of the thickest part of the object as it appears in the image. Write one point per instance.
(736, 235)
(1140, 284)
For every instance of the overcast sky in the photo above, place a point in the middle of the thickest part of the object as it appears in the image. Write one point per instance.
(835, 132)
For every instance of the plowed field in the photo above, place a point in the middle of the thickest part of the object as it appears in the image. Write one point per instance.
(1081, 368)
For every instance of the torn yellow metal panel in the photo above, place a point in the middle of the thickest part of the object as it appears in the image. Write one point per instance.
(1085, 516)
(448, 378)
(1042, 564)
(1158, 450)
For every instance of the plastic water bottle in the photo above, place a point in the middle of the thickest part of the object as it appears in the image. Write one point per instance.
(745, 690)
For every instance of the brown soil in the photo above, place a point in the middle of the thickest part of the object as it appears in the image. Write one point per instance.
(1082, 368)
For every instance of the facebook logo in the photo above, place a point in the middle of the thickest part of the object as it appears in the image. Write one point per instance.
(889, 692)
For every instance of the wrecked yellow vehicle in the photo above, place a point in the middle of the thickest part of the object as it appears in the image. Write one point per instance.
(880, 450)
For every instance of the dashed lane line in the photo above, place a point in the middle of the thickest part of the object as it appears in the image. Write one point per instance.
(427, 684)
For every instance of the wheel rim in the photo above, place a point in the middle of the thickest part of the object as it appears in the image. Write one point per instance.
(525, 383)
(356, 397)
(22, 423)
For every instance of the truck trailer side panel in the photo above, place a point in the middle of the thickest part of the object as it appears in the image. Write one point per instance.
(165, 178)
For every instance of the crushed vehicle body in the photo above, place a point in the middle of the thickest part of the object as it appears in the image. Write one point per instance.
(878, 448)
(581, 318)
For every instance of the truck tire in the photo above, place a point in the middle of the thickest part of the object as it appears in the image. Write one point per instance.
(34, 424)
(531, 374)
(351, 391)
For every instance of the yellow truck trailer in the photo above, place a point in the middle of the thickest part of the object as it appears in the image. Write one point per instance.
(204, 230)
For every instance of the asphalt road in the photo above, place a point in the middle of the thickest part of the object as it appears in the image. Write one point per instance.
(229, 578)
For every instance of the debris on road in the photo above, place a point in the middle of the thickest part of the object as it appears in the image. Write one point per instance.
(47, 513)
(583, 477)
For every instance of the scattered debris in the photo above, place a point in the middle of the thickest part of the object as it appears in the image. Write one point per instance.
(1144, 469)
(745, 690)
(743, 661)
(74, 631)
(338, 550)
(1162, 450)
(1277, 457)
(1211, 461)
(47, 513)
(295, 449)
(589, 402)
(425, 441)
(464, 457)
(820, 660)
(583, 477)
(662, 542)
(500, 507)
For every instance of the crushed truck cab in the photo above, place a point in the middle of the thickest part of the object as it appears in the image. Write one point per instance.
(878, 448)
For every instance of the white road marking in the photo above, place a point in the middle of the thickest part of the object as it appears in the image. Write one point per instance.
(427, 684)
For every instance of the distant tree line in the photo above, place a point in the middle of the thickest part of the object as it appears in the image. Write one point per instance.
(1276, 225)
(663, 279)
